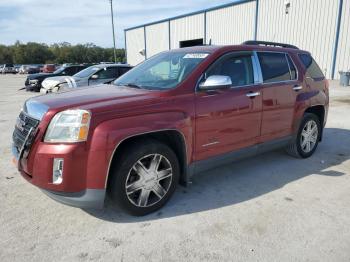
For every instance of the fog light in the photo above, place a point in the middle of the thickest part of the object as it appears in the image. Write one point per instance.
(57, 173)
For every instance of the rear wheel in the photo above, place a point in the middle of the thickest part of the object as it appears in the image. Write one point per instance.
(144, 177)
(306, 141)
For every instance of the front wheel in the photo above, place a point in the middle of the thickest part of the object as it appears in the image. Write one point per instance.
(144, 177)
(306, 141)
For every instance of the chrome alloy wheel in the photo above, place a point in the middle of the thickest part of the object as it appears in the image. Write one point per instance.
(149, 180)
(309, 136)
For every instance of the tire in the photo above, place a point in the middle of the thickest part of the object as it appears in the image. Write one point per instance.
(298, 148)
(135, 185)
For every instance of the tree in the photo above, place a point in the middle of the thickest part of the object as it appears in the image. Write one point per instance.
(64, 52)
(5, 55)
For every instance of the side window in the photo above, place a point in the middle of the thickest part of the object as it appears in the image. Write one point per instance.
(78, 69)
(107, 73)
(123, 70)
(274, 67)
(311, 66)
(69, 71)
(238, 67)
(292, 68)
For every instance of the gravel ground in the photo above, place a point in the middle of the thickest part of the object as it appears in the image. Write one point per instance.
(268, 208)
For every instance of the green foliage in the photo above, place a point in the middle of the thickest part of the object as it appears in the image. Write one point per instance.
(37, 53)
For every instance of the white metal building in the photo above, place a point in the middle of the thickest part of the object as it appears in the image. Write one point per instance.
(319, 26)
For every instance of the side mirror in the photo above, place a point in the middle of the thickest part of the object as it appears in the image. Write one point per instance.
(216, 82)
(94, 77)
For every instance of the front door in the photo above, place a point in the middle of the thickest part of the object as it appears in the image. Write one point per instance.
(228, 119)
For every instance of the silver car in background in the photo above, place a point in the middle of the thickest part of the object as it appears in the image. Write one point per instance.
(8, 69)
(93, 75)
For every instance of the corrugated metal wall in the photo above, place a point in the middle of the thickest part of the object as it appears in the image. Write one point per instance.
(157, 38)
(310, 25)
(135, 41)
(225, 26)
(343, 55)
(186, 28)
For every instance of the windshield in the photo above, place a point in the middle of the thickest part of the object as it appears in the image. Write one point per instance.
(87, 72)
(163, 71)
(59, 70)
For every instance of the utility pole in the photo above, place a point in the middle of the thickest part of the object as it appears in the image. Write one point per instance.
(114, 50)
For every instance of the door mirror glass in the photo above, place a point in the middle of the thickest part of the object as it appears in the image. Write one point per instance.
(216, 82)
(94, 77)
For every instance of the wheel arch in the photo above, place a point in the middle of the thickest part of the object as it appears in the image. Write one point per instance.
(319, 111)
(174, 138)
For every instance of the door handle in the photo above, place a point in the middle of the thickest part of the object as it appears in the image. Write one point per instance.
(297, 88)
(253, 94)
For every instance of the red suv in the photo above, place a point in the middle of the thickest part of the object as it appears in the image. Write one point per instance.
(175, 115)
(49, 68)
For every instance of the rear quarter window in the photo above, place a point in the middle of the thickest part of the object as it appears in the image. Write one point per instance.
(312, 68)
(274, 67)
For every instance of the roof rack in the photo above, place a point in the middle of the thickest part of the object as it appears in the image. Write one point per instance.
(265, 43)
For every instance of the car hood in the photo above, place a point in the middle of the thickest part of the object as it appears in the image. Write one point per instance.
(40, 75)
(98, 98)
(51, 82)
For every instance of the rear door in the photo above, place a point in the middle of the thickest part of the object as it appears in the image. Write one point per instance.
(279, 93)
(229, 119)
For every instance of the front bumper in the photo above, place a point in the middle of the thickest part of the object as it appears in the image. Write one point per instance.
(90, 198)
(33, 87)
(73, 191)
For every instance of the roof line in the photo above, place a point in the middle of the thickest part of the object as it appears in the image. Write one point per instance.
(237, 2)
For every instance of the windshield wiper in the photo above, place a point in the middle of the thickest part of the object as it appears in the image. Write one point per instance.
(132, 85)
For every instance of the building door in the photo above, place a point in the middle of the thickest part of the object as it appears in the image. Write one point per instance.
(193, 42)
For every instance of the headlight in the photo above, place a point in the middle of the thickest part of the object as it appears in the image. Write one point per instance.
(69, 126)
(33, 81)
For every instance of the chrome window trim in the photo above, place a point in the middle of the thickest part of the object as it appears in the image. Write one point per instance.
(257, 65)
(139, 134)
(296, 68)
(278, 82)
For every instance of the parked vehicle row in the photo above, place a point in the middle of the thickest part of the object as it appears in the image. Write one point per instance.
(174, 115)
(73, 76)
(8, 69)
(93, 75)
(34, 81)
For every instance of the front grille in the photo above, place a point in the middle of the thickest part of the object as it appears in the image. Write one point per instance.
(22, 128)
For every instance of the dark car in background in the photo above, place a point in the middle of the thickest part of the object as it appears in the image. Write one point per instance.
(33, 81)
(33, 69)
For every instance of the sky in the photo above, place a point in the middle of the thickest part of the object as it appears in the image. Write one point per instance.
(85, 21)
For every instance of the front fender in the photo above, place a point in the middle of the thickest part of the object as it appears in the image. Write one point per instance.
(109, 134)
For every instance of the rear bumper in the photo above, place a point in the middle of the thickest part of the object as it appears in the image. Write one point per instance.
(90, 198)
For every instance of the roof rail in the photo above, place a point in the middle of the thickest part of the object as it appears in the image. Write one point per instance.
(253, 42)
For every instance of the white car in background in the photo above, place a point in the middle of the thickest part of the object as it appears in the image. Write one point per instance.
(93, 75)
